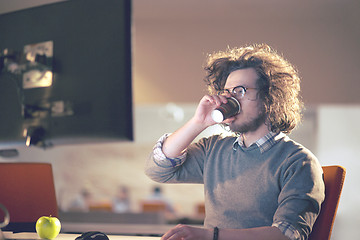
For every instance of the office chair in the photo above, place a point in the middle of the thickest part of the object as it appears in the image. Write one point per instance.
(334, 177)
(27, 190)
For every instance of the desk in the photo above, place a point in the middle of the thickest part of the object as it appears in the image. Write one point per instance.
(116, 228)
(64, 236)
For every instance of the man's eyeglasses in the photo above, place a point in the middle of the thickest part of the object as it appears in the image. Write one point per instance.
(238, 92)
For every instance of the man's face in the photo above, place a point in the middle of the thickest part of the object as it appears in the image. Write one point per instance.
(251, 116)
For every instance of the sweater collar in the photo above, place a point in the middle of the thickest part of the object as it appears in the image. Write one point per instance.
(264, 143)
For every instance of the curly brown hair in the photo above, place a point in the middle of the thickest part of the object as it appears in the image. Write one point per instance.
(278, 82)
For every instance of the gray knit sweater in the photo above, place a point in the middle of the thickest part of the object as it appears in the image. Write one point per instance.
(245, 188)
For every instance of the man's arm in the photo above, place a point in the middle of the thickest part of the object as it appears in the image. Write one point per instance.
(177, 142)
(169, 152)
(197, 233)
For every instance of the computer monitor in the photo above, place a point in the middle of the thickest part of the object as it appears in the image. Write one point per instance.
(85, 94)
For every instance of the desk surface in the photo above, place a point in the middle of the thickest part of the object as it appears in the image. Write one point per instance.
(64, 236)
(116, 229)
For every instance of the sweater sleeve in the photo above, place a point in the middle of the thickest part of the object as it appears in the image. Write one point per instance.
(162, 169)
(302, 192)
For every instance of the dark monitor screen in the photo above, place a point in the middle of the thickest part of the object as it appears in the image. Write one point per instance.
(88, 96)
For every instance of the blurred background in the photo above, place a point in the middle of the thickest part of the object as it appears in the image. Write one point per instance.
(170, 42)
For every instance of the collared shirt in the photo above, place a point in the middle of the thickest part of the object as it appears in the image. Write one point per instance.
(160, 156)
(288, 230)
(264, 143)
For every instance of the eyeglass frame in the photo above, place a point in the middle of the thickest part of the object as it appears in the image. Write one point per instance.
(233, 92)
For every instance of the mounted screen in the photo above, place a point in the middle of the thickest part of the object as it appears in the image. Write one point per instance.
(66, 73)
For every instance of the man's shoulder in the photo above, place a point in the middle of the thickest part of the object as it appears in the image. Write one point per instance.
(294, 148)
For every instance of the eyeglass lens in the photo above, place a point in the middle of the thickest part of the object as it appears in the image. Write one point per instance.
(239, 91)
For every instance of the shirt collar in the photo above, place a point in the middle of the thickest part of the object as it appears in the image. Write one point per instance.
(264, 143)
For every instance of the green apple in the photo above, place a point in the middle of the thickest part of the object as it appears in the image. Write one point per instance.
(48, 227)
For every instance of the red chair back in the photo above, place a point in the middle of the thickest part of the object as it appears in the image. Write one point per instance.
(27, 190)
(334, 177)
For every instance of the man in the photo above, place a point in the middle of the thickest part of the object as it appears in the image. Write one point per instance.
(258, 184)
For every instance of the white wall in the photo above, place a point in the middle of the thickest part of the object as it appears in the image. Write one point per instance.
(339, 144)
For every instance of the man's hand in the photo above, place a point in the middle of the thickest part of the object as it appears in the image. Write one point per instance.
(207, 104)
(185, 232)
